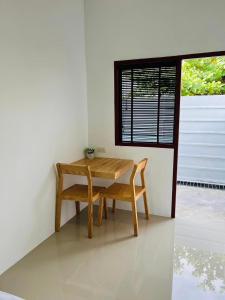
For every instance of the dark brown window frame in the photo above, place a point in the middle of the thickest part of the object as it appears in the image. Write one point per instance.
(179, 59)
(139, 63)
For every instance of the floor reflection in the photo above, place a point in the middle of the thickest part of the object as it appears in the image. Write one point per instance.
(198, 270)
(199, 252)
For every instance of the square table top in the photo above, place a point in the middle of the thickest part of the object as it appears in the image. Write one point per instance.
(103, 167)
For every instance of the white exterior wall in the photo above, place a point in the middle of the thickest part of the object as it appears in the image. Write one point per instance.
(43, 116)
(202, 139)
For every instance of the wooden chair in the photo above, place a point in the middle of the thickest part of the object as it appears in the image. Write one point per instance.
(78, 193)
(129, 193)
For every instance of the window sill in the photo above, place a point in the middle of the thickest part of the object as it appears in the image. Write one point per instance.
(149, 145)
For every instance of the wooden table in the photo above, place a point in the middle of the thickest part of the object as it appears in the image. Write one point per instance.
(109, 168)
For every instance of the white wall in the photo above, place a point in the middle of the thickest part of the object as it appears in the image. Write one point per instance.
(202, 139)
(131, 29)
(43, 115)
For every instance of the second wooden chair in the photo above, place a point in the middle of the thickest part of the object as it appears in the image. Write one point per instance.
(129, 193)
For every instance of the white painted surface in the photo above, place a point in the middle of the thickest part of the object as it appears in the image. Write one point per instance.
(6, 296)
(131, 29)
(202, 139)
(43, 115)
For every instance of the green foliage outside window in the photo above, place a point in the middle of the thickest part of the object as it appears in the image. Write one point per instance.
(203, 76)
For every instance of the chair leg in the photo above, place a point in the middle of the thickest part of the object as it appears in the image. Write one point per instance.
(77, 204)
(90, 220)
(135, 219)
(114, 206)
(58, 214)
(105, 209)
(146, 206)
(100, 211)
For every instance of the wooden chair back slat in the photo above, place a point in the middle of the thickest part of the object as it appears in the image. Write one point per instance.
(138, 168)
(73, 170)
(141, 165)
(68, 169)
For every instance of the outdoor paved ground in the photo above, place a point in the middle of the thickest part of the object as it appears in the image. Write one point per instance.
(200, 203)
(199, 244)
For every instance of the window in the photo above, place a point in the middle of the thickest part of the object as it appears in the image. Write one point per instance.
(145, 102)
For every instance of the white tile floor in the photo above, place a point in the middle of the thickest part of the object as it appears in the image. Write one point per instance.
(114, 265)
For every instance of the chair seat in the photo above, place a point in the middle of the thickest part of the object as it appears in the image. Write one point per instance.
(79, 192)
(122, 191)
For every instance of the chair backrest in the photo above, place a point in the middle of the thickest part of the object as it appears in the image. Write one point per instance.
(138, 168)
(69, 169)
